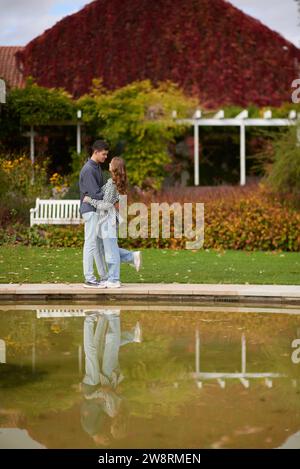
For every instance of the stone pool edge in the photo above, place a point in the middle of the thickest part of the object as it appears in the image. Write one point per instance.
(231, 293)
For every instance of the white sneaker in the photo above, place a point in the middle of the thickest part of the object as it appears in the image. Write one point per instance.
(102, 284)
(94, 284)
(109, 284)
(137, 333)
(137, 260)
(111, 312)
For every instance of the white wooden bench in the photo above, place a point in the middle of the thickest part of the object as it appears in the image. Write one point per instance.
(55, 212)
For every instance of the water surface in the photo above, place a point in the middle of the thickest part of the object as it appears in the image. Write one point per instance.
(76, 376)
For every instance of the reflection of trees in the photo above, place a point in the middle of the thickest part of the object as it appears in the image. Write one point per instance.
(16, 330)
(158, 376)
(39, 393)
(13, 376)
(259, 328)
(21, 330)
(288, 391)
(42, 356)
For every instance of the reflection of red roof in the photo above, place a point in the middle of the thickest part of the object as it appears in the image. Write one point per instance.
(9, 70)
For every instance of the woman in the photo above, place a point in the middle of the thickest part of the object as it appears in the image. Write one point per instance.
(108, 223)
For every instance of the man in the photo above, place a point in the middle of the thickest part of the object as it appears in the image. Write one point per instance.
(90, 183)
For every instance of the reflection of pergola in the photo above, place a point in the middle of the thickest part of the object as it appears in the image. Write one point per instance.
(46, 313)
(242, 121)
(59, 313)
(243, 376)
(2, 351)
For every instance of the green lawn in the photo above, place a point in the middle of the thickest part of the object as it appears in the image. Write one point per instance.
(25, 265)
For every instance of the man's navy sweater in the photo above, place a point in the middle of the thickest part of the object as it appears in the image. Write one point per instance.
(90, 183)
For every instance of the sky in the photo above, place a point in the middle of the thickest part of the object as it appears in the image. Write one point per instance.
(23, 20)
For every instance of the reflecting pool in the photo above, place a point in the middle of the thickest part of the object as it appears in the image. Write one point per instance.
(88, 376)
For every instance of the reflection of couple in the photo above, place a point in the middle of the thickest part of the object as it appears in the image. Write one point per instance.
(99, 209)
(103, 411)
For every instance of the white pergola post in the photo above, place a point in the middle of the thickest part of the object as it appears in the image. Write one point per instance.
(78, 145)
(31, 136)
(242, 154)
(196, 154)
(32, 151)
(196, 148)
(241, 116)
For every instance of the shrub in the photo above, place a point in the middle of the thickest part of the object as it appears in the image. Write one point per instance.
(20, 188)
(139, 116)
(284, 176)
(35, 105)
(235, 218)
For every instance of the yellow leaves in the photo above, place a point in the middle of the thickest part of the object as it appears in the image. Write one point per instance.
(9, 165)
(59, 184)
(55, 178)
(55, 328)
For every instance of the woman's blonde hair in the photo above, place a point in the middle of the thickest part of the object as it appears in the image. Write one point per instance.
(118, 173)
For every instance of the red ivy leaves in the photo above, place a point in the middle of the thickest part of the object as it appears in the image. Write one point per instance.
(208, 47)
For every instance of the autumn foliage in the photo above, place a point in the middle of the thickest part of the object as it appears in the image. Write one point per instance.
(246, 218)
(210, 48)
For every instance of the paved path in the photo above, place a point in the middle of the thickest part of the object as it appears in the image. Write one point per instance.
(146, 291)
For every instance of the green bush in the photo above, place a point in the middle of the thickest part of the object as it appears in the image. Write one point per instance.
(284, 176)
(22, 185)
(139, 116)
(35, 105)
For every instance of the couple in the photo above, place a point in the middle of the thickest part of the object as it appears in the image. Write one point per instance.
(99, 209)
(103, 411)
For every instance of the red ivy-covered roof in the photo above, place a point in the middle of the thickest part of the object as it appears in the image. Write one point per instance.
(9, 70)
(209, 47)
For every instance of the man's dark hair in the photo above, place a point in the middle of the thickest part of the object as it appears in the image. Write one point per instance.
(100, 145)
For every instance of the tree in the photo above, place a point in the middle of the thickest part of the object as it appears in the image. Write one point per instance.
(138, 118)
(34, 105)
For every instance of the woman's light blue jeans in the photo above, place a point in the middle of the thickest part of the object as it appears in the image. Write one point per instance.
(113, 254)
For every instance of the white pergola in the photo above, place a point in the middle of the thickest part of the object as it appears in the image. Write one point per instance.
(241, 120)
(243, 376)
(31, 134)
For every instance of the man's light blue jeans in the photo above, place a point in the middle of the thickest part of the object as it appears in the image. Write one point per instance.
(93, 248)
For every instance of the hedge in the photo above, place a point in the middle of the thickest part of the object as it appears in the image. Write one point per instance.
(249, 222)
